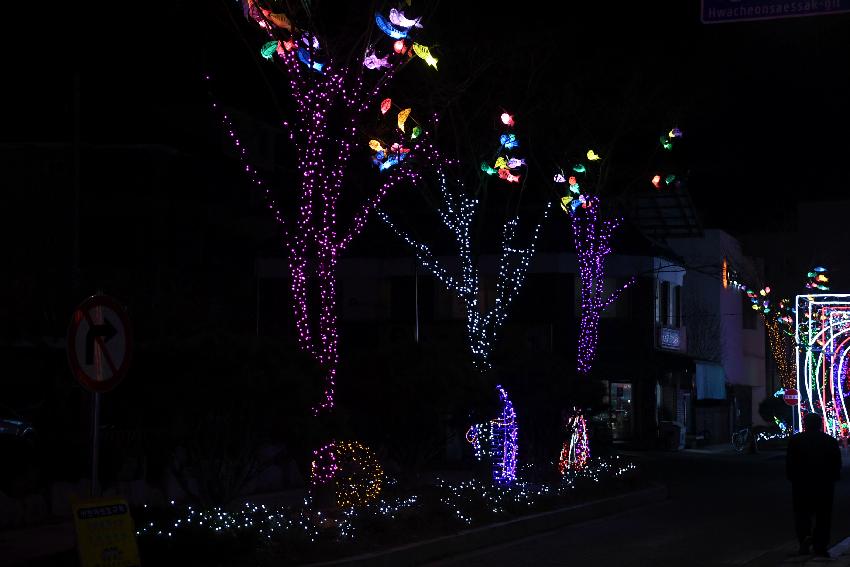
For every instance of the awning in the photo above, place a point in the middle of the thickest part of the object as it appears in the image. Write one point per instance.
(710, 381)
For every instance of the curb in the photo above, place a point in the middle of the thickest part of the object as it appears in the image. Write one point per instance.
(469, 540)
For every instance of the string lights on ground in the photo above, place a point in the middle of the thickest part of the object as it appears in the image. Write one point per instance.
(468, 502)
(352, 469)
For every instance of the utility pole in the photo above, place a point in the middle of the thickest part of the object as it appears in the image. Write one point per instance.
(416, 300)
(75, 152)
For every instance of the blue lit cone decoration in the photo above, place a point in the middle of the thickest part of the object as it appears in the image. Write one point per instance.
(576, 451)
(346, 471)
(496, 441)
(506, 166)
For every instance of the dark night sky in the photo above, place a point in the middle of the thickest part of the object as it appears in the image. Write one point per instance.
(764, 104)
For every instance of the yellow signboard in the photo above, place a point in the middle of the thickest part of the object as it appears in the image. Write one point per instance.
(106, 536)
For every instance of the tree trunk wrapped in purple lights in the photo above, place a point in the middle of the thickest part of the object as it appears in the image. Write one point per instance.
(591, 236)
(332, 101)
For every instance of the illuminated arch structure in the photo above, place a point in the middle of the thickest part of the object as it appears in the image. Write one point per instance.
(823, 359)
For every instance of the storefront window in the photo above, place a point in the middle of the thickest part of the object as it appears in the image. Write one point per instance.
(621, 410)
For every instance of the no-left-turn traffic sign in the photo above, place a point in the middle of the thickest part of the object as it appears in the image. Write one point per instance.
(99, 343)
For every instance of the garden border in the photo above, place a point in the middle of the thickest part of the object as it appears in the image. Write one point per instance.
(468, 540)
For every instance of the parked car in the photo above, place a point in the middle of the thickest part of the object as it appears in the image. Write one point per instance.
(18, 453)
(12, 424)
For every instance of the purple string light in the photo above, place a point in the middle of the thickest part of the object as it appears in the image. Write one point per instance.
(310, 233)
(591, 236)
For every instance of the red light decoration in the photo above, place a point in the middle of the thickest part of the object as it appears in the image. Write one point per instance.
(656, 181)
(400, 47)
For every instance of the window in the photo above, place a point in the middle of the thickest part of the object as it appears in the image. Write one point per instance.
(663, 311)
(677, 307)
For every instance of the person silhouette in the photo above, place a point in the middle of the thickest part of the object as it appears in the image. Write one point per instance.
(813, 465)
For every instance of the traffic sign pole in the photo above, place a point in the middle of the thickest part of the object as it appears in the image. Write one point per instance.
(99, 351)
(95, 443)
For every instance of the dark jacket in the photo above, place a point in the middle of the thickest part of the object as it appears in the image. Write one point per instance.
(813, 457)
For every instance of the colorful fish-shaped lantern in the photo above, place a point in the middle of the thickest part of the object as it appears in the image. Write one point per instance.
(592, 156)
(278, 20)
(665, 143)
(402, 118)
(415, 133)
(565, 201)
(305, 57)
(579, 168)
(398, 19)
(656, 181)
(559, 178)
(284, 46)
(501, 163)
(675, 133)
(310, 41)
(385, 105)
(389, 28)
(508, 141)
(669, 179)
(372, 61)
(424, 52)
(514, 163)
(268, 49)
(485, 167)
(508, 176)
(400, 47)
(574, 204)
(376, 145)
(507, 119)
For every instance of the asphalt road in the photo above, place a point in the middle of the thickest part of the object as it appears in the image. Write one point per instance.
(723, 510)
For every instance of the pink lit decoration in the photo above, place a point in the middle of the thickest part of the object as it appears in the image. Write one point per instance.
(312, 235)
(398, 19)
(507, 119)
(386, 104)
(372, 61)
(656, 181)
(576, 451)
(457, 211)
(400, 47)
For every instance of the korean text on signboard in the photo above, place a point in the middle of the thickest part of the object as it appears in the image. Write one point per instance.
(721, 11)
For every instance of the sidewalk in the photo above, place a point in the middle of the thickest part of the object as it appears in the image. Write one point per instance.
(26, 546)
(840, 558)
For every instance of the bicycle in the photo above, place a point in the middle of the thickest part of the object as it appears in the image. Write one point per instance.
(741, 439)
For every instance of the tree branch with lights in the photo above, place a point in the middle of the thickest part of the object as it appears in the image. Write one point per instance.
(593, 226)
(334, 98)
(457, 211)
